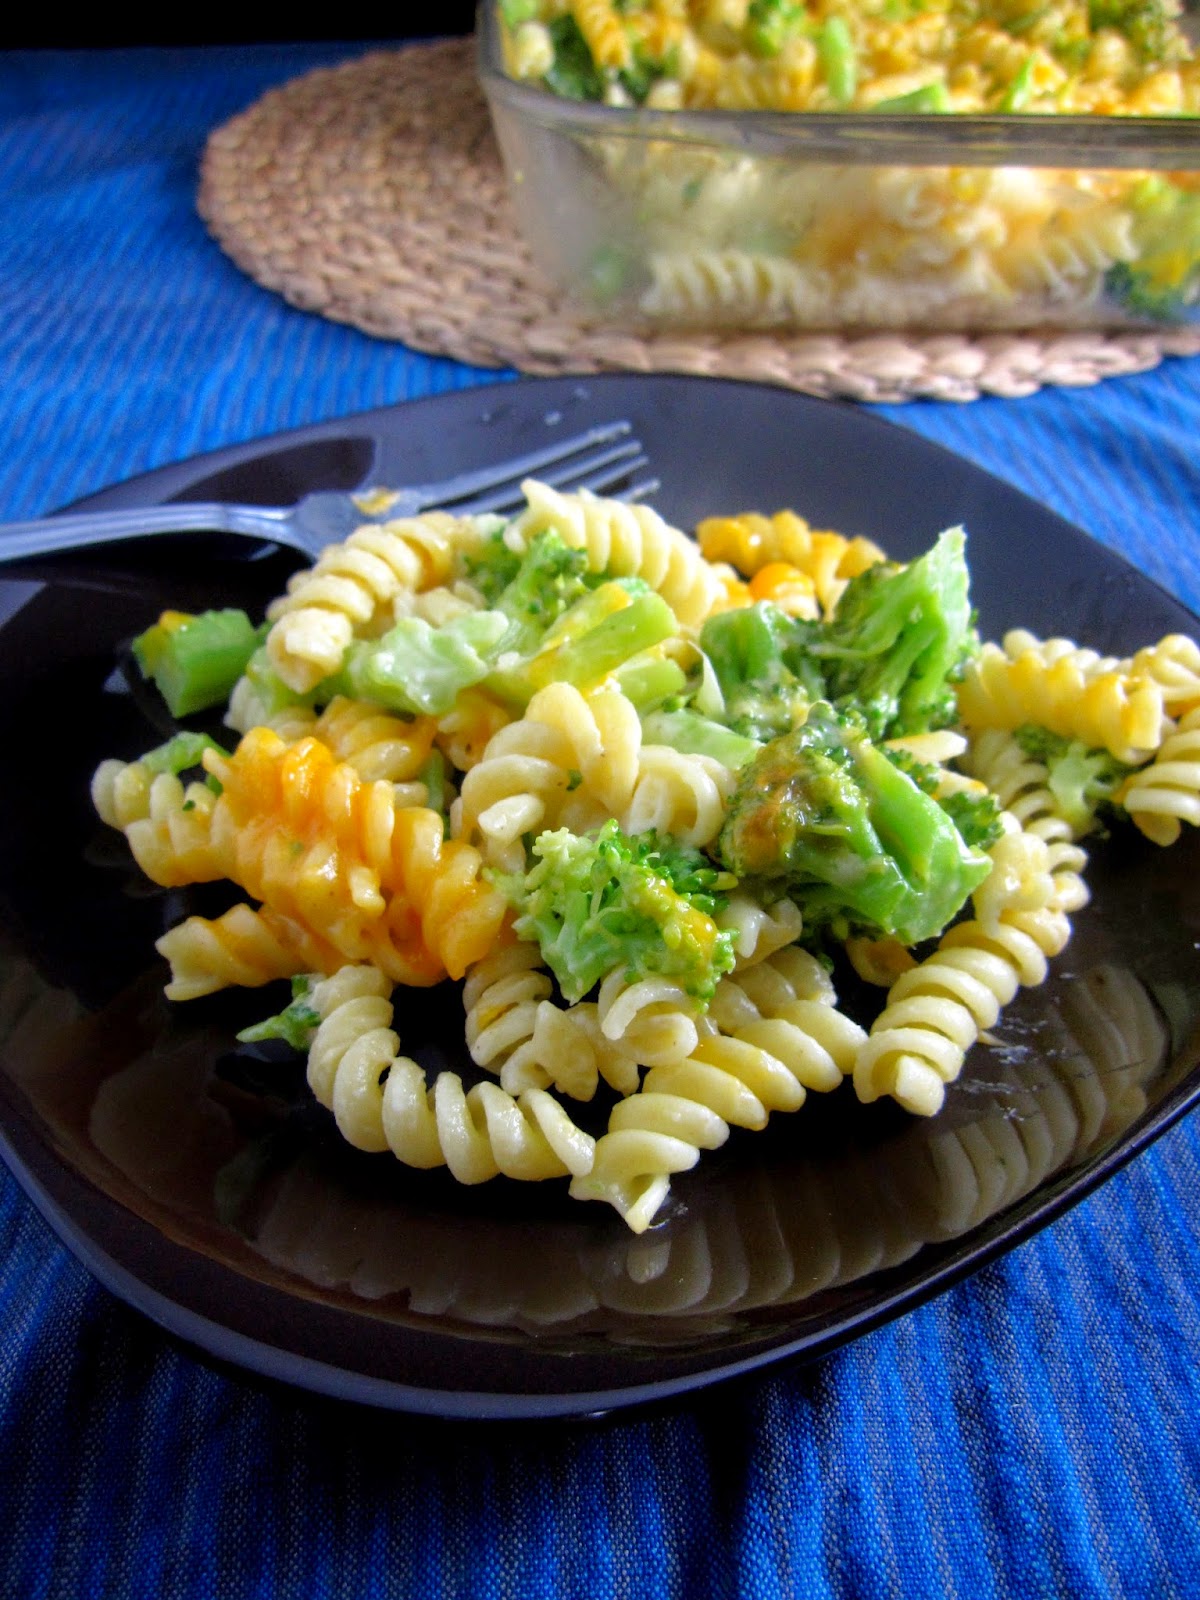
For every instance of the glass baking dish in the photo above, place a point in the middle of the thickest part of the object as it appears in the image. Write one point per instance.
(841, 221)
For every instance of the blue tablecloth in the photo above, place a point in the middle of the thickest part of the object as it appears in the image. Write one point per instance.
(1033, 1432)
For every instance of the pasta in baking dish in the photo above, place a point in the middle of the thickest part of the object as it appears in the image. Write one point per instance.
(648, 814)
(736, 220)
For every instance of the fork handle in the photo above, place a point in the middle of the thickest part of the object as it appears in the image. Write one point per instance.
(75, 530)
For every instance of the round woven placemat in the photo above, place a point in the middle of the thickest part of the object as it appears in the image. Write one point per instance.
(373, 193)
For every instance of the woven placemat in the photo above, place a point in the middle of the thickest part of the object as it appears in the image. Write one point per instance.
(373, 193)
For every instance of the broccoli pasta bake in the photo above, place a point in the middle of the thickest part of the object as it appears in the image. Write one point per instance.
(707, 194)
(648, 796)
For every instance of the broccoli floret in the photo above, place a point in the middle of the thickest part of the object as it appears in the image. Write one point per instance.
(295, 1024)
(899, 640)
(180, 753)
(597, 636)
(770, 24)
(1082, 780)
(858, 844)
(1149, 25)
(573, 74)
(548, 579)
(1163, 278)
(975, 815)
(607, 901)
(766, 677)
(974, 812)
(415, 668)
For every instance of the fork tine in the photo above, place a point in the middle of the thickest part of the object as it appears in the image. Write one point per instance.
(607, 466)
(469, 484)
(610, 477)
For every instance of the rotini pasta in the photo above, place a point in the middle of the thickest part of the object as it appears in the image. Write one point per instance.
(381, 1102)
(1058, 686)
(573, 759)
(751, 1064)
(1166, 792)
(353, 587)
(626, 541)
(936, 1010)
(756, 544)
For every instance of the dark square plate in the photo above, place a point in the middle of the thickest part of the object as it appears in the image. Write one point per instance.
(200, 1182)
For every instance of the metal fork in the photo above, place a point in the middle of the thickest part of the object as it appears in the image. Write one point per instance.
(599, 459)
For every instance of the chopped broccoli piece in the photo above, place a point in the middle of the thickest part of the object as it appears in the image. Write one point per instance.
(1163, 279)
(549, 578)
(859, 845)
(194, 661)
(691, 734)
(899, 640)
(494, 565)
(593, 638)
(1081, 780)
(415, 668)
(649, 678)
(975, 813)
(770, 24)
(179, 753)
(640, 77)
(976, 816)
(930, 97)
(574, 74)
(435, 777)
(515, 12)
(603, 902)
(765, 675)
(1149, 25)
(295, 1024)
(835, 50)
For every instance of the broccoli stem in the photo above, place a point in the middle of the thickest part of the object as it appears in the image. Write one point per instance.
(691, 734)
(584, 659)
(835, 48)
(930, 97)
(194, 661)
(649, 678)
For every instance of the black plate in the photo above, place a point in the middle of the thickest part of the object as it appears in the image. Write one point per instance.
(201, 1183)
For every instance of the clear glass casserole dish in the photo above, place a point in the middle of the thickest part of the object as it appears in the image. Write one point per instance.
(653, 217)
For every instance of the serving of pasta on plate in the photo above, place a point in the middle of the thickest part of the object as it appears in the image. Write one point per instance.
(647, 796)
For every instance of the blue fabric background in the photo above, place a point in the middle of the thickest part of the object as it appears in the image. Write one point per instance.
(1031, 1433)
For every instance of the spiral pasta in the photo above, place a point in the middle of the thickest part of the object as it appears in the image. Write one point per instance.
(515, 1030)
(1165, 793)
(571, 760)
(380, 1099)
(726, 287)
(755, 544)
(1021, 785)
(677, 794)
(753, 1062)
(759, 930)
(1174, 664)
(353, 587)
(245, 946)
(625, 541)
(937, 1009)
(306, 835)
(1066, 690)
(168, 825)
